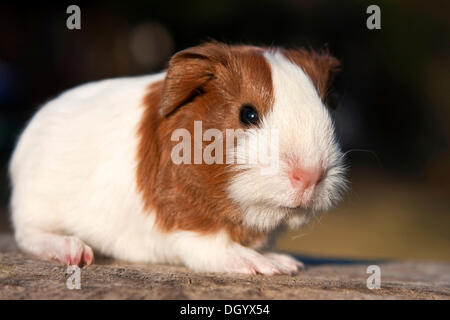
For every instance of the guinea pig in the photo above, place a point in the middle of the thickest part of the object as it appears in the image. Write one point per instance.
(96, 168)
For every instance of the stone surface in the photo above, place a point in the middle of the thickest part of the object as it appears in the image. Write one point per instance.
(24, 277)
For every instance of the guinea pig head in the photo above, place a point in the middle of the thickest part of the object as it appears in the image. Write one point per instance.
(242, 135)
(309, 175)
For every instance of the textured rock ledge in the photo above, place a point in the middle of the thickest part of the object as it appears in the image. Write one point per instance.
(23, 277)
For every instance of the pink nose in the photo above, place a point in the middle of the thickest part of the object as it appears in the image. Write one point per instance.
(303, 179)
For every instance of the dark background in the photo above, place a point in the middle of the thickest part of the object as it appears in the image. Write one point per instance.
(393, 111)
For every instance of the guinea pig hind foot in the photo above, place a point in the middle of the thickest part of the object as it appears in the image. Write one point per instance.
(68, 250)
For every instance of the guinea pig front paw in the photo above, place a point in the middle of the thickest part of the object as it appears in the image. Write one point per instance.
(248, 261)
(286, 262)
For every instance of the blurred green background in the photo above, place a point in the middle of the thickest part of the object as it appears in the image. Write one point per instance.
(393, 109)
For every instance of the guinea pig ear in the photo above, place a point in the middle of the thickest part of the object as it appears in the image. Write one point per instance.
(320, 66)
(189, 70)
(328, 66)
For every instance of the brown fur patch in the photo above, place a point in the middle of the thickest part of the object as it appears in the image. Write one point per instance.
(207, 83)
(318, 65)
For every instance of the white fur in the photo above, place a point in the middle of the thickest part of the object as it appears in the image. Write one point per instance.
(73, 169)
(73, 173)
(306, 139)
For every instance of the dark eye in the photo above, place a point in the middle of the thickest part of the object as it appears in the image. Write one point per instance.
(248, 115)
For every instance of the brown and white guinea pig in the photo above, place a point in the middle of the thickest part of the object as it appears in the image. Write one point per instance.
(95, 169)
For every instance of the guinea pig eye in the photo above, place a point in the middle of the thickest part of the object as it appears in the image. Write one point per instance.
(248, 115)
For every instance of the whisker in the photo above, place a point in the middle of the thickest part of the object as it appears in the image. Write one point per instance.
(367, 151)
